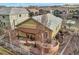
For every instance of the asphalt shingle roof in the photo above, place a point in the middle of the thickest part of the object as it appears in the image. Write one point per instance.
(14, 10)
(52, 23)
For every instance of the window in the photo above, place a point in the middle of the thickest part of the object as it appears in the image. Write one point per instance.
(3, 16)
(20, 15)
(31, 36)
(4, 24)
(46, 35)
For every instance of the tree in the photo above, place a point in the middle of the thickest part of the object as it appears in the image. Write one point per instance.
(41, 11)
(31, 14)
(57, 13)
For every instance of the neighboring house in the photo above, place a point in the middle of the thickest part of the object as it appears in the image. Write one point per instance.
(61, 11)
(9, 17)
(40, 27)
(72, 10)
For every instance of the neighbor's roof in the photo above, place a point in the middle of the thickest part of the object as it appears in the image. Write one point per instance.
(14, 10)
(33, 10)
(53, 21)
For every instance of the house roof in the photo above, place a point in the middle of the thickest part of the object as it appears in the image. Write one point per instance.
(33, 20)
(52, 23)
(33, 10)
(14, 10)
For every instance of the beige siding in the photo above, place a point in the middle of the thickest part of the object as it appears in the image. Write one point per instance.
(56, 31)
(17, 19)
(29, 24)
(5, 19)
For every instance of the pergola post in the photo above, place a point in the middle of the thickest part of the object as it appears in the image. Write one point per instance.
(42, 49)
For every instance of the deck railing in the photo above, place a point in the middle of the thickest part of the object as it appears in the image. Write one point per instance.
(18, 49)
